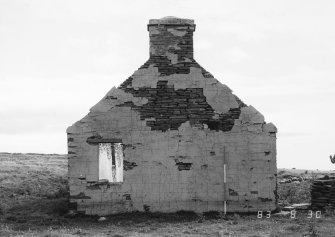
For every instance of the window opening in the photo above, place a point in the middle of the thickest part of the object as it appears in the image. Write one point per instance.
(111, 162)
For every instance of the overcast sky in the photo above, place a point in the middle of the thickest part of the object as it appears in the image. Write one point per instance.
(59, 58)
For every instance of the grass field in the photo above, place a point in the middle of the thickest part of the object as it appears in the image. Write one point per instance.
(33, 202)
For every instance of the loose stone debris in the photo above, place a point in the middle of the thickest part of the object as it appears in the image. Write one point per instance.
(323, 193)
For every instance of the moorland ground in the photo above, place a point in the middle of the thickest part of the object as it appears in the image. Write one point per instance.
(33, 202)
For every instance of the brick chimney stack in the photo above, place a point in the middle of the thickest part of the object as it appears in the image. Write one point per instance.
(171, 37)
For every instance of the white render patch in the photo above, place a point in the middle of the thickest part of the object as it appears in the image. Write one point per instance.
(218, 96)
(145, 77)
(270, 128)
(116, 97)
(172, 57)
(251, 115)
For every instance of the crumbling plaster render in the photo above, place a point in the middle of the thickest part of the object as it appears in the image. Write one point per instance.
(179, 127)
(219, 96)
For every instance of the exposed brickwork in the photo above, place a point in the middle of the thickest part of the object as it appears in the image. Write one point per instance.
(128, 165)
(183, 165)
(171, 108)
(126, 83)
(181, 46)
(166, 41)
(166, 68)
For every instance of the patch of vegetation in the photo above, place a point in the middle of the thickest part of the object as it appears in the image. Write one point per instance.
(290, 193)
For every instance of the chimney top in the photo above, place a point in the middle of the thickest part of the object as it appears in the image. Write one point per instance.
(171, 20)
(171, 37)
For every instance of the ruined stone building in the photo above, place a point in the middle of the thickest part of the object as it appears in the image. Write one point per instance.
(172, 137)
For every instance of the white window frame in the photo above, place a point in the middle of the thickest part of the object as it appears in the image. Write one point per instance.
(110, 157)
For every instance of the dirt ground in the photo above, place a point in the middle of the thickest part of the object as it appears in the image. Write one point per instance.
(33, 202)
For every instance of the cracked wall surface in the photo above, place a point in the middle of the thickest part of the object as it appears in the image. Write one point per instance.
(178, 126)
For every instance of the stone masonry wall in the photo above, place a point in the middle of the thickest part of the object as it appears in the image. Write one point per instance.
(178, 126)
